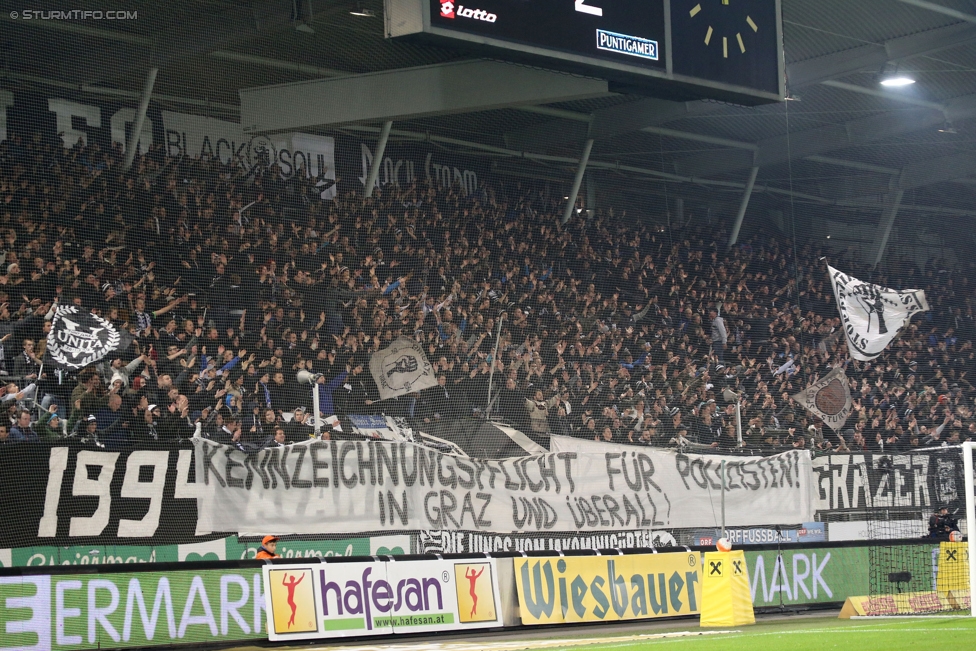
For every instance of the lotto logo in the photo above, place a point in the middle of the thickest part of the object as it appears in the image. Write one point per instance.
(447, 11)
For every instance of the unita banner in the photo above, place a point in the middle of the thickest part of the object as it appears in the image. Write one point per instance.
(320, 486)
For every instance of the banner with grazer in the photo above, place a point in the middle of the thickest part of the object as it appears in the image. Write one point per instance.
(318, 486)
(911, 481)
(608, 588)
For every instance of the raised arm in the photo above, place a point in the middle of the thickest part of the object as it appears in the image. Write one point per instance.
(170, 306)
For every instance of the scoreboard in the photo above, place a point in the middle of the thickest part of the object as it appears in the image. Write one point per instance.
(683, 49)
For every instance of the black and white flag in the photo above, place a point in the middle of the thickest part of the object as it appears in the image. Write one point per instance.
(79, 338)
(873, 315)
(829, 399)
(401, 368)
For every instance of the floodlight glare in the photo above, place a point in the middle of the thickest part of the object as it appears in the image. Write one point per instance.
(897, 81)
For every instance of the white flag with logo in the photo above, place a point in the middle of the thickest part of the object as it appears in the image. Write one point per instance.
(829, 399)
(401, 369)
(80, 338)
(873, 315)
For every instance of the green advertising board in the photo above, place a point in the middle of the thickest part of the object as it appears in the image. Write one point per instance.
(131, 609)
(823, 575)
(385, 545)
(92, 555)
(221, 549)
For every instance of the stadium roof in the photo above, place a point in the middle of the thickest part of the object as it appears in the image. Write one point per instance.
(843, 139)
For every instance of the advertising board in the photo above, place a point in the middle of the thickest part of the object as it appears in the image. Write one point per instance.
(608, 588)
(44, 612)
(312, 601)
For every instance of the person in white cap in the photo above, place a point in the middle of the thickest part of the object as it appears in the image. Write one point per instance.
(88, 427)
(145, 429)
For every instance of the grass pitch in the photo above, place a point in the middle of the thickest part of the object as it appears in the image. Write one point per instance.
(807, 634)
(801, 633)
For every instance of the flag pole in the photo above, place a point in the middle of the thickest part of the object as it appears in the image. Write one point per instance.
(37, 387)
(491, 370)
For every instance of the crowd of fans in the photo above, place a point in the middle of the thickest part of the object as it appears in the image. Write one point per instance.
(611, 328)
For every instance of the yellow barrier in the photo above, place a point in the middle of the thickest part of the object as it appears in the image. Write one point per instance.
(953, 574)
(607, 588)
(906, 603)
(726, 599)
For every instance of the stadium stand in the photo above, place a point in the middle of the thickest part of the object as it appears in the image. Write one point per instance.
(609, 329)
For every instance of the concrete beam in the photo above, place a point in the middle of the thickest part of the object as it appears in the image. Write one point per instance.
(233, 25)
(892, 203)
(541, 137)
(624, 118)
(821, 140)
(133, 142)
(633, 116)
(873, 57)
(276, 64)
(608, 122)
(883, 94)
(743, 206)
(915, 175)
(577, 180)
(374, 168)
(939, 170)
(941, 9)
(558, 113)
(209, 31)
(551, 162)
(442, 89)
(698, 137)
(855, 185)
(206, 105)
(857, 165)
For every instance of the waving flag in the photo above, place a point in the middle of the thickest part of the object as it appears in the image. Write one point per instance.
(873, 315)
(829, 399)
(79, 338)
(401, 368)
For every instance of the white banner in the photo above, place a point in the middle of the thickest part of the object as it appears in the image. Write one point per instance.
(873, 315)
(327, 600)
(829, 399)
(326, 486)
(754, 485)
(401, 368)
